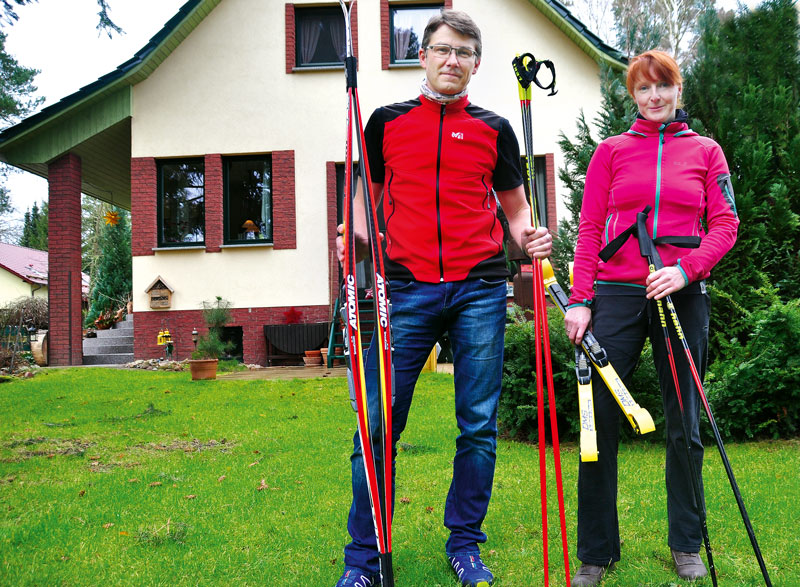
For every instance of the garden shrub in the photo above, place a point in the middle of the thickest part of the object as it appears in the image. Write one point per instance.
(755, 391)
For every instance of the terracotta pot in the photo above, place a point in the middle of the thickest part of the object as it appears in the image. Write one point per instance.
(312, 361)
(203, 369)
(314, 353)
(39, 348)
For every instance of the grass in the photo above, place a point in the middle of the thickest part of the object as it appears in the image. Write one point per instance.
(147, 478)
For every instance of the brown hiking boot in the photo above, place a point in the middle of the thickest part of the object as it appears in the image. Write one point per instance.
(589, 575)
(689, 565)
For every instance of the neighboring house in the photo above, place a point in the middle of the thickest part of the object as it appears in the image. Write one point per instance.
(224, 136)
(23, 273)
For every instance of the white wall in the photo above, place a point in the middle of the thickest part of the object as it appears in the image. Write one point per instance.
(225, 90)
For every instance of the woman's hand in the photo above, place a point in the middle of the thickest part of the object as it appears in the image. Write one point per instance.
(576, 322)
(664, 282)
(537, 242)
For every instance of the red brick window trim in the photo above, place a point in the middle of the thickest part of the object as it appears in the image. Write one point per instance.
(386, 25)
(290, 18)
(284, 215)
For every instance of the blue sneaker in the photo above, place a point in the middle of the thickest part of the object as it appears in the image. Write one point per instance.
(470, 570)
(355, 577)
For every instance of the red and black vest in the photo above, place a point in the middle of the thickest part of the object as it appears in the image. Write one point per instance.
(439, 166)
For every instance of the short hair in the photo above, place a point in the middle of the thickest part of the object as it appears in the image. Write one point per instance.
(660, 63)
(458, 21)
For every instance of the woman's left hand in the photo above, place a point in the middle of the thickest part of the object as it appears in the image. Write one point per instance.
(664, 282)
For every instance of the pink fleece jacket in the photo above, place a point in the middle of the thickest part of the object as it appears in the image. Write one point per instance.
(684, 178)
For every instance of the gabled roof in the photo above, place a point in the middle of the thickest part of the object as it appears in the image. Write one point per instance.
(30, 265)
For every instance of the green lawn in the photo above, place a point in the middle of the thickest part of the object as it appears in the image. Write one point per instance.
(146, 478)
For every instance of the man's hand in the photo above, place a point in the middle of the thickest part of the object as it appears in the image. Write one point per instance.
(537, 242)
(362, 244)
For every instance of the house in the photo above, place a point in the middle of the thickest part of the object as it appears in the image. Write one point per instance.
(224, 136)
(24, 273)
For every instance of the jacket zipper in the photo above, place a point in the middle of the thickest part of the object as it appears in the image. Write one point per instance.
(438, 210)
(658, 177)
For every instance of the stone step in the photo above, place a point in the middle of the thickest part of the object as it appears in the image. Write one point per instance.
(110, 349)
(110, 359)
(122, 338)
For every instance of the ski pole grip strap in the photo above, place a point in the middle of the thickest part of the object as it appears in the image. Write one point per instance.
(525, 71)
(350, 68)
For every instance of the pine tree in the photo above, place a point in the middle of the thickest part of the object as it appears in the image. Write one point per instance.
(35, 227)
(745, 90)
(113, 282)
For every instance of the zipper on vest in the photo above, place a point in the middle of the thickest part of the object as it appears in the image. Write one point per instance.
(438, 210)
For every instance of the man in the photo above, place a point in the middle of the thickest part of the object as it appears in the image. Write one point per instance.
(437, 162)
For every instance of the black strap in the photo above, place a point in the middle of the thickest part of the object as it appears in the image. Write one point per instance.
(687, 242)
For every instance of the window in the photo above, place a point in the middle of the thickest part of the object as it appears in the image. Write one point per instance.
(181, 202)
(248, 199)
(407, 25)
(320, 36)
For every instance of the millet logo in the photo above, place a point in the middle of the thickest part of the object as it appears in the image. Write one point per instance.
(458, 135)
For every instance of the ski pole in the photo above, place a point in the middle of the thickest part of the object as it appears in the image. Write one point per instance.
(648, 249)
(526, 70)
(379, 484)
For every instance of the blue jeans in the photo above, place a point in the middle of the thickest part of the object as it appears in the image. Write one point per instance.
(473, 313)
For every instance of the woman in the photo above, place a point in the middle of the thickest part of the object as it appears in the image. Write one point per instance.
(684, 178)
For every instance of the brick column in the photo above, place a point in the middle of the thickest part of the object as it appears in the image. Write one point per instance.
(64, 280)
(213, 203)
(284, 216)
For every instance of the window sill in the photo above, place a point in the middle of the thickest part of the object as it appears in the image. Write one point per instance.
(415, 65)
(305, 68)
(247, 245)
(189, 248)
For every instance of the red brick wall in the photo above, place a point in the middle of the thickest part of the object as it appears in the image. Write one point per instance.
(291, 39)
(144, 203)
(550, 179)
(181, 323)
(64, 291)
(386, 45)
(333, 260)
(213, 203)
(284, 218)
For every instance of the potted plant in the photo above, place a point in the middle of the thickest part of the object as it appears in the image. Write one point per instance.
(210, 346)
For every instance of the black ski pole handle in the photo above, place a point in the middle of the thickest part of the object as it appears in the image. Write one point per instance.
(524, 70)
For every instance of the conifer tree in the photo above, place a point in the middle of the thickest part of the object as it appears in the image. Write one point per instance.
(745, 90)
(113, 282)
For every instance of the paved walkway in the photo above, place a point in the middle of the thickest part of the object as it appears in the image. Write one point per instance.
(303, 372)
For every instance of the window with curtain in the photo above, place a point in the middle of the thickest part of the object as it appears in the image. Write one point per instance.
(248, 199)
(181, 202)
(406, 27)
(320, 36)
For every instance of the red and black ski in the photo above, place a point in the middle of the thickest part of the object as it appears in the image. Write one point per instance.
(373, 438)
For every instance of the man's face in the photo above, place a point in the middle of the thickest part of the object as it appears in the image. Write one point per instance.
(451, 74)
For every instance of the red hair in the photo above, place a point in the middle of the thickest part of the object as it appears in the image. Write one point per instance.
(653, 63)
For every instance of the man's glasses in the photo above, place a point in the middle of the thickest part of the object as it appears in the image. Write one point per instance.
(443, 52)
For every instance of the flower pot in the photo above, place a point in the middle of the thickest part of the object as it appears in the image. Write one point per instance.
(312, 361)
(324, 357)
(203, 369)
(314, 353)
